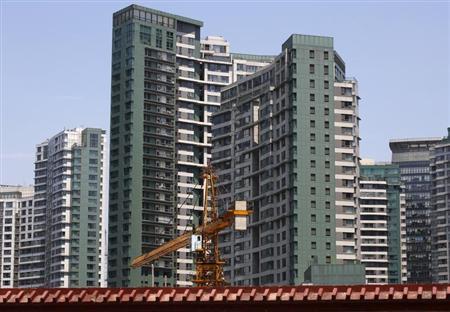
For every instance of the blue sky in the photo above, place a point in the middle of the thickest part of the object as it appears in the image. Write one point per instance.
(55, 65)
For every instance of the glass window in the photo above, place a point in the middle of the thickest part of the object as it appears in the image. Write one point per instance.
(93, 140)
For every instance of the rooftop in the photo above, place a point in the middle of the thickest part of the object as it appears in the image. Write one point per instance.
(415, 140)
(292, 298)
(176, 17)
(254, 57)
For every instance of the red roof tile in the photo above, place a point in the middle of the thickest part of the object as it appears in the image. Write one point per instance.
(293, 295)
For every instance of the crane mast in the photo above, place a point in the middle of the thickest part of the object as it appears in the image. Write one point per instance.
(204, 238)
(209, 265)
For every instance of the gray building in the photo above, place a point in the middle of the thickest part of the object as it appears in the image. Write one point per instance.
(165, 86)
(274, 145)
(413, 158)
(440, 210)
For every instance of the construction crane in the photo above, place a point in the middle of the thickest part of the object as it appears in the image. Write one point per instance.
(204, 238)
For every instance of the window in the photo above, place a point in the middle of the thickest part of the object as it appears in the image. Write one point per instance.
(313, 231)
(327, 218)
(325, 70)
(326, 98)
(327, 232)
(145, 34)
(311, 54)
(312, 83)
(311, 68)
(313, 191)
(313, 164)
(325, 55)
(159, 38)
(313, 177)
(327, 178)
(169, 40)
(312, 123)
(312, 137)
(313, 218)
(313, 245)
(312, 110)
(327, 124)
(326, 84)
(312, 97)
(326, 111)
(312, 149)
(328, 259)
(313, 204)
(130, 53)
(328, 246)
(93, 140)
(327, 151)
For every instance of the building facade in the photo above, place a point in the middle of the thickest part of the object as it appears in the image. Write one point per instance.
(413, 158)
(244, 65)
(32, 246)
(273, 145)
(166, 83)
(373, 230)
(396, 217)
(70, 200)
(15, 202)
(32, 260)
(440, 210)
(346, 115)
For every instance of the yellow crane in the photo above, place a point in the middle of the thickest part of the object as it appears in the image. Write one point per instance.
(204, 238)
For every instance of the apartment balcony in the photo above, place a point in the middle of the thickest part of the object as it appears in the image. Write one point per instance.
(344, 150)
(187, 96)
(343, 111)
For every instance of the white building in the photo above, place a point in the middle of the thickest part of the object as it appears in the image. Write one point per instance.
(15, 203)
(200, 81)
(373, 230)
(346, 123)
(382, 222)
(70, 200)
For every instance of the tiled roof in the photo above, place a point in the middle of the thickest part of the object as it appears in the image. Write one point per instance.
(270, 296)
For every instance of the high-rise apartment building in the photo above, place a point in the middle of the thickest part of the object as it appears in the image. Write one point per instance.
(166, 84)
(69, 209)
(413, 158)
(15, 202)
(274, 146)
(346, 123)
(32, 259)
(373, 229)
(396, 217)
(440, 210)
(32, 246)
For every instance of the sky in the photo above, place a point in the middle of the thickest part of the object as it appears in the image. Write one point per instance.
(56, 63)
